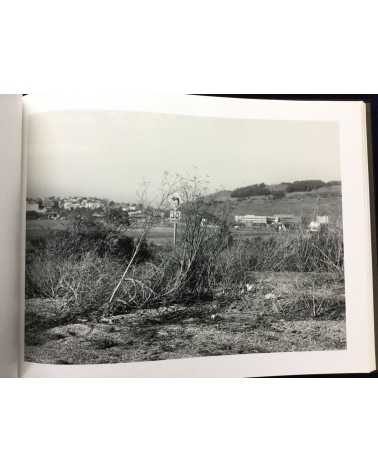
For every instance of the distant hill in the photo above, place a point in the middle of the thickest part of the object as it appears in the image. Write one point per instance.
(251, 191)
(296, 186)
(279, 187)
(221, 195)
(324, 200)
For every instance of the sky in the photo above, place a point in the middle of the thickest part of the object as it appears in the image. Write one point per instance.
(109, 154)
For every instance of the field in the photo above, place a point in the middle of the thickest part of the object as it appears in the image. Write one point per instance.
(159, 235)
(305, 205)
(217, 293)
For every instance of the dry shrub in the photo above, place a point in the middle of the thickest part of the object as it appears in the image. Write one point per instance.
(299, 252)
(184, 274)
(82, 284)
(311, 305)
(232, 269)
(206, 262)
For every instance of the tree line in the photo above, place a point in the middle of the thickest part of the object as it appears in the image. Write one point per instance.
(296, 186)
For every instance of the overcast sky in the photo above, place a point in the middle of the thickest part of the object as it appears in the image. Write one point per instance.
(108, 154)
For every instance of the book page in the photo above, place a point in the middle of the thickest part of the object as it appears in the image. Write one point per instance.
(10, 240)
(196, 236)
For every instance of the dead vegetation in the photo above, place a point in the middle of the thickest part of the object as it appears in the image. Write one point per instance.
(249, 324)
(210, 294)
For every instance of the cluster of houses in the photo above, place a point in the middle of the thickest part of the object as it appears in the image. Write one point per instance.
(76, 202)
(55, 208)
(280, 222)
(58, 207)
(55, 205)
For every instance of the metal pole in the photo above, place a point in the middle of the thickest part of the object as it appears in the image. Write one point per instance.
(174, 233)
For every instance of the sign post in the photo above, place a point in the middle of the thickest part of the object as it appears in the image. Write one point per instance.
(175, 215)
(174, 233)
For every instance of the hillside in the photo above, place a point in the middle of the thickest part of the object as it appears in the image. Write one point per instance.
(323, 201)
(255, 190)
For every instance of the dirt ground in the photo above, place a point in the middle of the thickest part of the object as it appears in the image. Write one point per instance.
(278, 312)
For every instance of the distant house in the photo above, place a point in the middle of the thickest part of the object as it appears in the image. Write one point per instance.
(32, 206)
(50, 204)
(135, 213)
(279, 220)
(93, 205)
(157, 214)
(323, 220)
(250, 220)
(314, 226)
(35, 207)
(71, 205)
(287, 219)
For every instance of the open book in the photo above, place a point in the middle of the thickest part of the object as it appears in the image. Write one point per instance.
(185, 236)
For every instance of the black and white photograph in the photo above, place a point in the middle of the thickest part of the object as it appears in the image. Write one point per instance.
(188, 243)
(155, 236)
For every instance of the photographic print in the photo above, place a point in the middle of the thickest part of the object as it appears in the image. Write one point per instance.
(155, 236)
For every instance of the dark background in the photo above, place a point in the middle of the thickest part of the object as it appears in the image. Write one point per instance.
(372, 101)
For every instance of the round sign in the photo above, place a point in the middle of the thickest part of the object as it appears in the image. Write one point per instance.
(175, 200)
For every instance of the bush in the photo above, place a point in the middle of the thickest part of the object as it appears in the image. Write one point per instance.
(33, 215)
(82, 284)
(77, 241)
(304, 185)
(278, 194)
(331, 183)
(316, 252)
(82, 269)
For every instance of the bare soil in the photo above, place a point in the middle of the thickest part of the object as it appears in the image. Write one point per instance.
(279, 312)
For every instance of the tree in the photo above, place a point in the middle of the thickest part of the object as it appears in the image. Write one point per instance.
(186, 267)
(305, 185)
(251, 191)
(117, 217)
(82, 219)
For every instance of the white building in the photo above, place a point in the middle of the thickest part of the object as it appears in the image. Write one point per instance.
(34, 206)
(314, 226)
(323, 220)
(71, 205)
(250, 220)
(93, 205)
